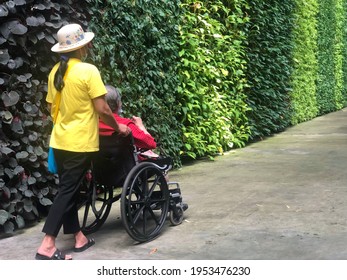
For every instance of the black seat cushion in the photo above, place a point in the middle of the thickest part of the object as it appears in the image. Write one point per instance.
(114, 160)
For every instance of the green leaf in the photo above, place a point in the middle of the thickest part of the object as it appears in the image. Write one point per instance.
(45, 201)
(9, 227)
(20, 221)
(4, 216)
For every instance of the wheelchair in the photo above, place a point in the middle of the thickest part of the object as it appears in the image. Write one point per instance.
(147, 199)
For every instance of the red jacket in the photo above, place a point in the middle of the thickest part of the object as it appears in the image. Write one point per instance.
(141, 139)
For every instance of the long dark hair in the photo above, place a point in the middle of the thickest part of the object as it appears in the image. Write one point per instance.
(59, 74)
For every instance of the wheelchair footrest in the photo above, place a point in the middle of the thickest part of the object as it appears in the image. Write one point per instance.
(176, 200)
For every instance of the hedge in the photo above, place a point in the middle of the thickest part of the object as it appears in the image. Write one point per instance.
(305, 65)
(330, 56)
(269, 66)
(344, 51)
(137, 47)
(212, 77)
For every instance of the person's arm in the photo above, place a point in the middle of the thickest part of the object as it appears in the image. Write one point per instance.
(138, 122)
(107, 117)
(142, 140)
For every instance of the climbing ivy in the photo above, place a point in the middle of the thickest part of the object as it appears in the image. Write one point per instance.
(212, 76)
(136, 48)
(305, 64)
(330, 56)
(269, 66)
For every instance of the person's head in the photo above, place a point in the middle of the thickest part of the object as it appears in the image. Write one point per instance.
(72, 42)
(113, 99)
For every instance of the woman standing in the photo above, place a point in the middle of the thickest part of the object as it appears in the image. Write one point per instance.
(75, 136)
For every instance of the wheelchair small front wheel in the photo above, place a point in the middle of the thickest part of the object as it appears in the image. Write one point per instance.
(176, 216)
(144, 202)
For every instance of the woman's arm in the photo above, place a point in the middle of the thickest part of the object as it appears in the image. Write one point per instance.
(107, 117)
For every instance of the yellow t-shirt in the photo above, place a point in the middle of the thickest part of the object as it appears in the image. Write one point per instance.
(76, 128)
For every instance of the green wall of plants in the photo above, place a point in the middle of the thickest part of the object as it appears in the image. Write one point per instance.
(212, 77)
(330, 80)
(338, 53)
(326, 63)
(305, 65)
(269, 66)
(296, 62)
(137, 49)
(344, 50)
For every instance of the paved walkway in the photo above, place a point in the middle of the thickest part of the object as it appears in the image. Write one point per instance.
(281, 198)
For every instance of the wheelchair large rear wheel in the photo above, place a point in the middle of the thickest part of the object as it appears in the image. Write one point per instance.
(95, 205)
(144, 202)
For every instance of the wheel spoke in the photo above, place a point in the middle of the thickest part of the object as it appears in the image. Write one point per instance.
(85, 216)
(144, 184)
(144, 219)
(154, 217)
(105, 201)
(95, 206)
(159, 200)
(145, 202)
(155, 183)
(137, 213)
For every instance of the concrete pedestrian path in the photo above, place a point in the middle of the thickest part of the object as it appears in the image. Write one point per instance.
(281, 198)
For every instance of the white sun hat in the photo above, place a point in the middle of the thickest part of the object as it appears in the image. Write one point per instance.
(71, 37)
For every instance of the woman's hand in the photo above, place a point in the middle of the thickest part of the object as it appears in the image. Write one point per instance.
(123, 130)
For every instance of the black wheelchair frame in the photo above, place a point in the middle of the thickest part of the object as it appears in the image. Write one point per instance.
(146, 197)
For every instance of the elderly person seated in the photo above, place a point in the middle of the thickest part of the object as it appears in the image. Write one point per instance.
(143, 140)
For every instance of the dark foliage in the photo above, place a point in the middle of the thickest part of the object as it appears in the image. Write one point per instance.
(269, 66)
(27, 32)
(137, 49)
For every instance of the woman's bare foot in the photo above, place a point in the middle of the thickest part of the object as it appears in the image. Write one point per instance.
(48, 251)
(80, 239)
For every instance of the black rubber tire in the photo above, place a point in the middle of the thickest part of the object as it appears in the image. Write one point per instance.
(144, 202)
(95, 206)
(176, 219)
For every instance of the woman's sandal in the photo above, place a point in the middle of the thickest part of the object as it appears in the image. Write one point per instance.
(58, 255)
(90, 243)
